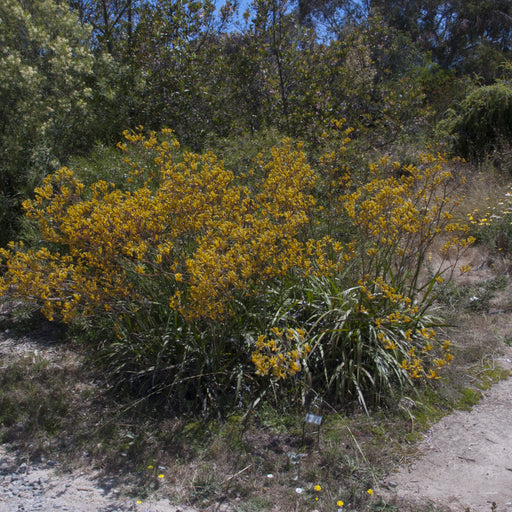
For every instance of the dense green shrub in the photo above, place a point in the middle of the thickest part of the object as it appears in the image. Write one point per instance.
(56, 98)
(483, 121)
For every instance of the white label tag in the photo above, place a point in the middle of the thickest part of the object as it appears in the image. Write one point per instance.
(313, 418)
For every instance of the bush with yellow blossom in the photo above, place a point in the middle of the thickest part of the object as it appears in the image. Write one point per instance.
(189, 277)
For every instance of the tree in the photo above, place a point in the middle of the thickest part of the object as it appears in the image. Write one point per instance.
(331, 14)
(172, 50)
(481, 124)
(50, 99)
(455, 32)
(112, 21)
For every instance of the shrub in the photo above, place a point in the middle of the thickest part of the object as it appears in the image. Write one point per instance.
(185, 273)
(166, 265)
(371, 327)
(483, 122)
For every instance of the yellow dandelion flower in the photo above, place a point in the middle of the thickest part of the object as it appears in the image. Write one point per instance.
(317, 488)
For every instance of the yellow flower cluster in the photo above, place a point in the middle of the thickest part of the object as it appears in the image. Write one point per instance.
(203, 238)
(391, 208)
(397, 218)
(495, 212)
(401, 328)
(280, 355)
(414, 364)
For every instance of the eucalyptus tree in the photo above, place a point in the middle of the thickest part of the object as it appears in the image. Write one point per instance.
(457, 33)
(174, 45)
(112, 22)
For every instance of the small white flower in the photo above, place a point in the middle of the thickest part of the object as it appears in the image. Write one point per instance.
(270, 475)
(299, 490)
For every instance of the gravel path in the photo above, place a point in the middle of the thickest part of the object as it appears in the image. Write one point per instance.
(465, 461)
(39, 487)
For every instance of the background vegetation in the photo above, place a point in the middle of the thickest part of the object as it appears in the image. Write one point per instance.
(75, 76)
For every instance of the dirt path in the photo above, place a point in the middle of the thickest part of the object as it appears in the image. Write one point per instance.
(41, 487)
(466, 458)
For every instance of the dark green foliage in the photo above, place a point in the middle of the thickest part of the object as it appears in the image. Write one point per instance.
(484, 121)
(455, 33)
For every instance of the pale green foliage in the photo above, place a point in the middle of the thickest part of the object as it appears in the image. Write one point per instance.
(45, 69)
(47, 88)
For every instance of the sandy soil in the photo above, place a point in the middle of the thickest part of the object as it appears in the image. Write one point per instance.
(44, 489)
(465, 460)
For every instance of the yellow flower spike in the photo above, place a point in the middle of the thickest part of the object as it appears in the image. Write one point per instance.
(370, 492)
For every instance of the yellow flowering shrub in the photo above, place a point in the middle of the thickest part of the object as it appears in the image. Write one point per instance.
(165, 262)
(206, 236)
(396, 219)
(370, 318)
(197, 275)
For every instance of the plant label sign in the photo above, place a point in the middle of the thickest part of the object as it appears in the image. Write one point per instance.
(313, 418)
